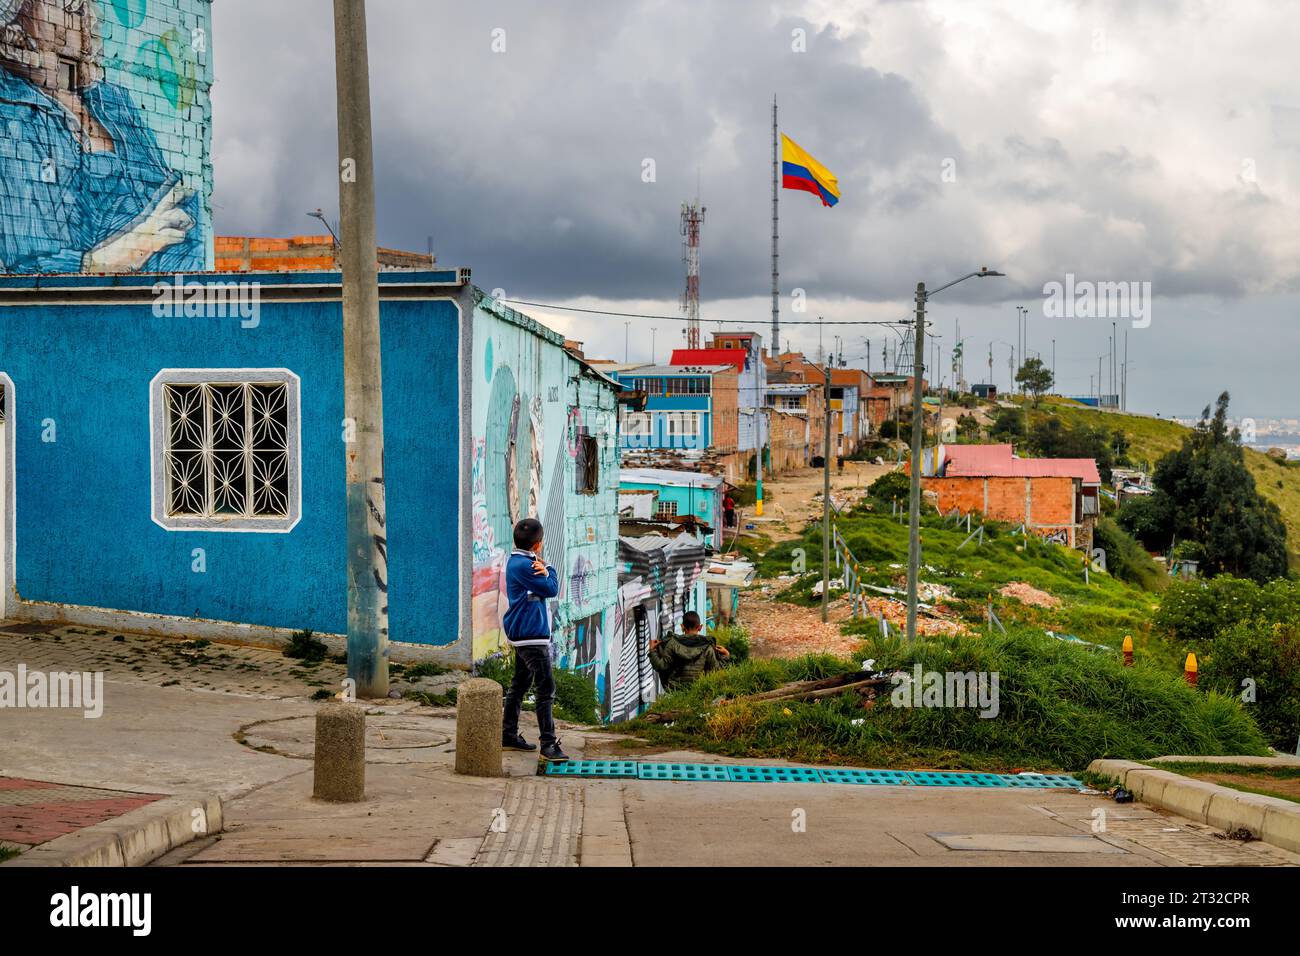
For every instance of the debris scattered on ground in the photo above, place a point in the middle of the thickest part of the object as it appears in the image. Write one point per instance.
(789, 630)
(1028, 594)
(934, 622)
(1241, 834)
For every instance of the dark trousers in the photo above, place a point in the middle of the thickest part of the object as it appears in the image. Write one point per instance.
(532, 669)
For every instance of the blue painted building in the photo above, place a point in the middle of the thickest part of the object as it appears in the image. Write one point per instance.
(682, 405)
(678, 493)
(178, 467)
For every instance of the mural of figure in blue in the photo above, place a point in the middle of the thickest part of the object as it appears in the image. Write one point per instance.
(84, 186)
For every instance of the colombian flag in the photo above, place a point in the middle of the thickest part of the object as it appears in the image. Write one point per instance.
(800, 171)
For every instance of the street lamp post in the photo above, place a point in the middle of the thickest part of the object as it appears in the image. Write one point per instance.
(918, 415)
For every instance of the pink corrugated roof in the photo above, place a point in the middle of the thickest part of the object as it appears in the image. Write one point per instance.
(734, 357)
(998, 461)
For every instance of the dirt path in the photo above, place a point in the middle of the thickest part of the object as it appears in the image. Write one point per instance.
(777, 629)
(796, 497)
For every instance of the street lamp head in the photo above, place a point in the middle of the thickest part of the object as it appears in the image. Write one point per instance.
(986, 271)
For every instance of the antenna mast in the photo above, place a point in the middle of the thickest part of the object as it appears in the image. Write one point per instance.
(692, 219)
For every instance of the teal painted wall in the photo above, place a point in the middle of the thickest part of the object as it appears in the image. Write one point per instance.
(532, 404)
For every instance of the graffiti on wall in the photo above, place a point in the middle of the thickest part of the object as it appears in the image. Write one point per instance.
(530, 409)
(104, 136)
(664, 583)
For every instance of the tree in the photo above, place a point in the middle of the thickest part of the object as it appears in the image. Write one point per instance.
(1036, 378)
(1205, 493)
(1052, 438)
(1008, 425)
(968, 428)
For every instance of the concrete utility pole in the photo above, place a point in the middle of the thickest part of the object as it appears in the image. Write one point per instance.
(363, 400)
(914, 497)
(826, 500)
(918, 415)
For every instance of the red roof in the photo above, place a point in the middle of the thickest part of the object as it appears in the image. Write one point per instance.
(734, 357)
(997, 461)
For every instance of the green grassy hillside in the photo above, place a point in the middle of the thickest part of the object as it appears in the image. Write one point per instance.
(1150, 438)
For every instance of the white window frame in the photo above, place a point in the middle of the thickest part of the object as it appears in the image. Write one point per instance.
(279, 524)
(636, 424)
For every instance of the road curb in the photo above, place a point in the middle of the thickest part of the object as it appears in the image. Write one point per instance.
(1271, 819)
(136, 838)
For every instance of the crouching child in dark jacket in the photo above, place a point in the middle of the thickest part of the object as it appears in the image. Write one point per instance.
(683, 657)
(530, 582)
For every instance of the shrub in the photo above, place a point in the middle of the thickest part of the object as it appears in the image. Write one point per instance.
(735, 638)
(304, 645)
(1196, 612)
(893, 484)
(1125, 558)
(1268, 656)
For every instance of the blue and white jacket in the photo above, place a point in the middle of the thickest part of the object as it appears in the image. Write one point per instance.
(528, 620)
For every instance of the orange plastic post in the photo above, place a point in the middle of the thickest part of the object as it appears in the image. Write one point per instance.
(1128, 651)
(1189, 669)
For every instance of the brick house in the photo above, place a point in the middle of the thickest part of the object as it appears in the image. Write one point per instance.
(1055, 498)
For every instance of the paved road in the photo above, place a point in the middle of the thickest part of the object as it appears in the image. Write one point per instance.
(251, 747)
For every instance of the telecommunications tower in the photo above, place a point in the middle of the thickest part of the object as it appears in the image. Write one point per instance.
(692, 219)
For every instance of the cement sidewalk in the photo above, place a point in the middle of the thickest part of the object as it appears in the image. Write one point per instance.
(253, 751)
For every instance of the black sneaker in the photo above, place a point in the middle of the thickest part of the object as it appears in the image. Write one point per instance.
(554, 753)
(516, 742)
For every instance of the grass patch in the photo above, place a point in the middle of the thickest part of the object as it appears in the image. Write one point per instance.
(8, 852)
(1060, 706)
(1103, 610)
(575, 695)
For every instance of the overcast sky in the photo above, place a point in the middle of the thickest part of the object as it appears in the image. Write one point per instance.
(1155, 142)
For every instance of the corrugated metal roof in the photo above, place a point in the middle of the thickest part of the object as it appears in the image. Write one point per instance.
(998, 461)
(735, 357)
(667, 476)
(654, 370)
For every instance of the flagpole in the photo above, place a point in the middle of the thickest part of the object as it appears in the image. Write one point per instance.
(776, 305)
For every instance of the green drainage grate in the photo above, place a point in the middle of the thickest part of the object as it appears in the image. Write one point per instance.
(773, 775)
(593, 768)
(940, 778)
(683, 771)
(723, 773)
(887, 778)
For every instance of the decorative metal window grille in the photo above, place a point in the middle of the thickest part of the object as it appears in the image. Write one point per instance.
(226, 450)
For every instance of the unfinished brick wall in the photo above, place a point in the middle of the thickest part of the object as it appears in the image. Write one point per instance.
(1046, 505)
(105, 136)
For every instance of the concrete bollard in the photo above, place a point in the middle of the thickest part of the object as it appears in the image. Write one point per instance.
(340, 765)
(478, 728)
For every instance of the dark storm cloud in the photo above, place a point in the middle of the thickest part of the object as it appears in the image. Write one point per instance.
(1172, 156)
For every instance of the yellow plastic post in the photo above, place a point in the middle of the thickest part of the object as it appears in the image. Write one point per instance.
(1189, 669)
(1128, 651)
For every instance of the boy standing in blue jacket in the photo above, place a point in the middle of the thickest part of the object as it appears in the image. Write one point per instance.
(529, 584)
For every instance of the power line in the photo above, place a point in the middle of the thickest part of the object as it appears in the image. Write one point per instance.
(679, 318)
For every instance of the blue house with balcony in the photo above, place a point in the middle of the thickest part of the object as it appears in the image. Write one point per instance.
(688, 407)
(172, 461)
